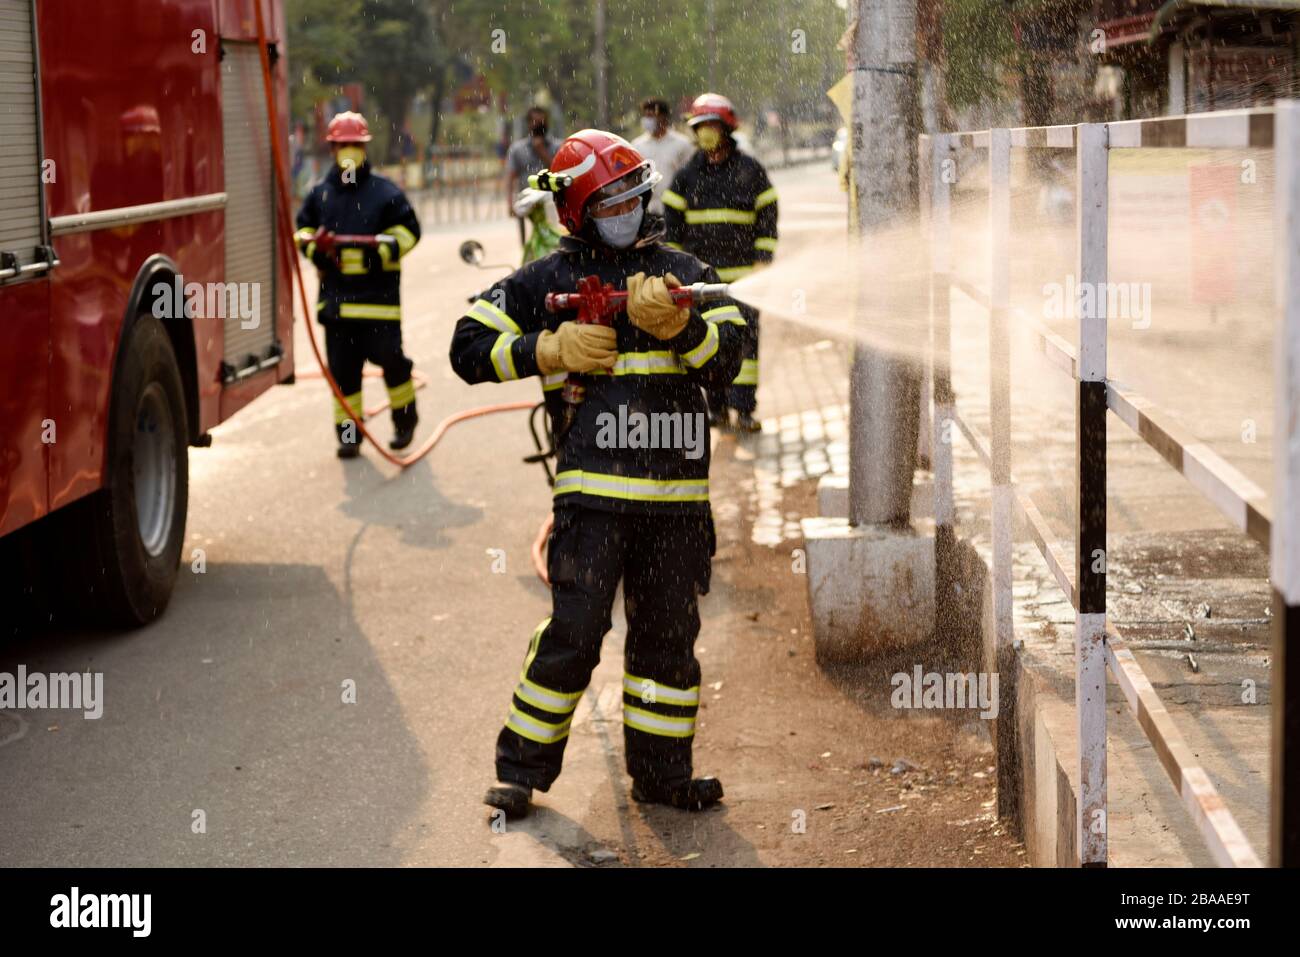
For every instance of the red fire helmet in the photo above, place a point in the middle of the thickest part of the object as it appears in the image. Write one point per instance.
(348, 127)
(712, 106)
(593, 159)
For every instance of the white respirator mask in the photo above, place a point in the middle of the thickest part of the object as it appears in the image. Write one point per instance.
(620, 231)
(649, 124)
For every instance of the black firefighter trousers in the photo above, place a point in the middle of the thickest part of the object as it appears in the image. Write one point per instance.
(349, 344)
(664, 563)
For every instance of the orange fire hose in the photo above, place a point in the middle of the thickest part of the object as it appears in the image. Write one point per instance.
(285, 233)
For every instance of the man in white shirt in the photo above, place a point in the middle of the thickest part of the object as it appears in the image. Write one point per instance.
(668, 149)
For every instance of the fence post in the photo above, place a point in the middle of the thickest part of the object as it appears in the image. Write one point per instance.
(1284, 540)
(1003, 659)
(942, 174)
(1090, 550)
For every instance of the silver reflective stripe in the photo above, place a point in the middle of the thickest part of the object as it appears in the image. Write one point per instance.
(556, 702)
(657, 723)
(502, 359)
(705, 351)
(724, 314)
(536, 730)
(650, 690)
(619, 486)
(647, 363)
(553, 381)
(493, 317)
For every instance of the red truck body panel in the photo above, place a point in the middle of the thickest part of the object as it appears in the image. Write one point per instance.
(104, 66)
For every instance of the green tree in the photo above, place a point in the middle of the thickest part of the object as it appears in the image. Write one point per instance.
(400, 53)
(323, 42)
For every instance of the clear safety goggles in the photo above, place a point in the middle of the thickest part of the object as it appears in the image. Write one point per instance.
(640, 180)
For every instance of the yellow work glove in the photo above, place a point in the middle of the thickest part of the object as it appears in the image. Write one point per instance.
(651, 307)
(575, 347)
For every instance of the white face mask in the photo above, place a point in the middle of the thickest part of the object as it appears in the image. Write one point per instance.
(620, 231)
(649, 124)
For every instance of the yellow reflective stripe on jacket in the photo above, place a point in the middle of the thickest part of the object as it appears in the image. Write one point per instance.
(675, 200)
(729, 273)
(405, 239)
(534, 729)
(658, 724)
(765, 198)
(341, 413)
(503, 359)
(400, 396)
(765, 243)
(352, 262)
(724, 314)
(368, 310)
(644, 363)
(673, 245)
(656, 692)
(705, 351)
(554, 381)
(748, 374)
(744, 217)
(492, 317)
(631, 489)
(556, 702)
(304, 236)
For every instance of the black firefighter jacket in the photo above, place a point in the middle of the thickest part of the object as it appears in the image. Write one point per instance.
(724, 213)
(640, 440)
(366, 282)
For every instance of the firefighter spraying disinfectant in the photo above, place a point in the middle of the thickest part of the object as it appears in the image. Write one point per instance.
(625, 332)
(721, 207)
(356, 226)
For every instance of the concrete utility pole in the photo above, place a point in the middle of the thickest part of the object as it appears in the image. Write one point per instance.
(884, 384)
(601, 62)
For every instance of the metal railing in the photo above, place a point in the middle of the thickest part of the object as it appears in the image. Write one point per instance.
(1082, 577)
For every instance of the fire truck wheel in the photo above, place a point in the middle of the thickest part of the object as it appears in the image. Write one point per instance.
(139, 519)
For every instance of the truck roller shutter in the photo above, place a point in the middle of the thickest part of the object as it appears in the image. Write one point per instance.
(22, 228)
(250, 208)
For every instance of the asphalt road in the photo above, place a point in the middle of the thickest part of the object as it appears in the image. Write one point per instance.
(414, 587)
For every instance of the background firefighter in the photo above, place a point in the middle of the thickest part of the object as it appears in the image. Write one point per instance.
(721, 207)
(622, 512)
(360, 291)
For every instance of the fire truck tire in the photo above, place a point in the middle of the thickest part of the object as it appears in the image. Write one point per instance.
(138, 520)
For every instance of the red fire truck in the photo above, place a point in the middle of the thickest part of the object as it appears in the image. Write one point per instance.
(135, 164)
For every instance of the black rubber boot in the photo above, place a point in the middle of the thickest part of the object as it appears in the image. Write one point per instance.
(747, 423)
(695, 795)
(348, 450)
(405, 420)
(513, 798)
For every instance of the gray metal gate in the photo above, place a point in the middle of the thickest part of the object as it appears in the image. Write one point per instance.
(21, 227)
(250, 345)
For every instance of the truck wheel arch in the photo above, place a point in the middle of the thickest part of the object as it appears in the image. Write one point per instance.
(161, 268)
